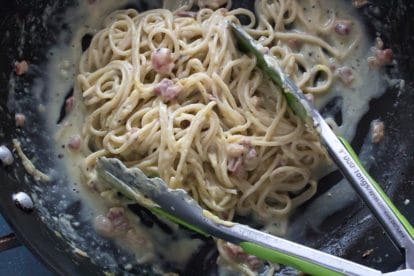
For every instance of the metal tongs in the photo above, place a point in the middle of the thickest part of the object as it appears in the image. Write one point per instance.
(341, 152)
(178, 206)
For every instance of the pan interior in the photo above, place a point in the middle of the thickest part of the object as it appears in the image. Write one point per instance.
(349, 230)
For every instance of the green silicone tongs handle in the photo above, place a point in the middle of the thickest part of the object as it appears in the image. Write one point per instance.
(274, 249)
(305, 259)
(338, 148)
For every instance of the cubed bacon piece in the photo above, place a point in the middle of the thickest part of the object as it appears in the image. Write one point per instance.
(345, 74)
(20, 119)
(162, 61)
(343, 27)
(381, 58)
(292, 43)
(74, 142)
(167, 89)
(21, 67)
(113, 223)
(239, 156)
(384, 56)
(69, 104)
(237, 254)
(332, 64)
(118, 219)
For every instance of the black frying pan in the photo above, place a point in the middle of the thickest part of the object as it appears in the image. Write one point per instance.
(349, 232)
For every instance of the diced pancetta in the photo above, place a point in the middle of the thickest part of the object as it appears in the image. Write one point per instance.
(343, 27)
(21, 67)
(20, 119)
(74, 142)
(345, 74)
(162, 61)
(167, 89)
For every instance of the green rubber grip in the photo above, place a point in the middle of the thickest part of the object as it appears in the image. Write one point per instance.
(161, 212)
(408, 227)
(248, 45)
(274, 256)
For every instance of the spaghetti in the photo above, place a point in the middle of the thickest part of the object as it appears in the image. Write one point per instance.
(170, 93)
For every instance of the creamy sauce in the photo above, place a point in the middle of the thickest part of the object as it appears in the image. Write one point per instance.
(366, 85)
(62, 71)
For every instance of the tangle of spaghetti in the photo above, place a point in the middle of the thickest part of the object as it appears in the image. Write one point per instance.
(170, 93)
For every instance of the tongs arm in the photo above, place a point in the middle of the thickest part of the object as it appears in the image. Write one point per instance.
(397, 226)
(179, 207)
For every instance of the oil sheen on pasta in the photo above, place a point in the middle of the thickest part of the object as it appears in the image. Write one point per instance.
(211, 124)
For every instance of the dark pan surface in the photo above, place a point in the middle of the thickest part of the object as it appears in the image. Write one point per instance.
(349, 232)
